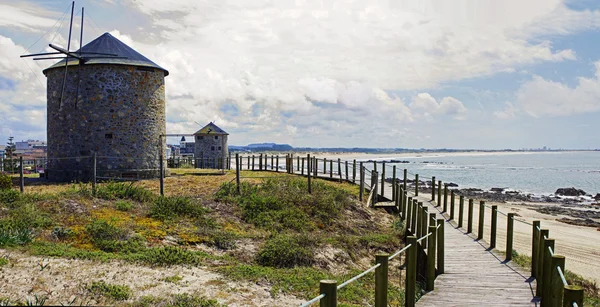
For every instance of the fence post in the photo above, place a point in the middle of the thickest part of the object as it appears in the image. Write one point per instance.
(162, 173)
(470, 217)
(546, 286)
(354, 170)
(415, 215)
(573, 294)
(361, 178)
(539, 280)
(330, 168)
(439, 202)
(411, 272)
(440, 246)
(431, 258)
(277, 163)
(329, 288)
(494, 227)
(405, 179)
(340, 168)
(534, 247)
(445, 209)
(382, 178)
(21, 176)
(452, 205)
(424, 222)
(381, 280)
(416, 184)
(272, 162)
(433, 188)
(481, 220)
(308, 172)
(509, 235)
(409, 213)
(556, 284)
(298, 163)
(237, 172)
(324, 166)
(94, 169)
(394, 185)
(461, 209)
(374, 188)
(347, 175)
(260, 162)
(229, 161)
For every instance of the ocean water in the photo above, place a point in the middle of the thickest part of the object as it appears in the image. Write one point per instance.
(537, 173)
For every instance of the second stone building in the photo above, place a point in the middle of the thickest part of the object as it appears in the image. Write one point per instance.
(211, 149)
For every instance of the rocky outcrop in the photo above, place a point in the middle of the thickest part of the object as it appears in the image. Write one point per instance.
(570, 192)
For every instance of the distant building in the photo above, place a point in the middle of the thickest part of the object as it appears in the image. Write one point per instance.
(210, 149)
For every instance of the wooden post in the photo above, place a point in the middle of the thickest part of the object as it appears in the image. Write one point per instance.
(330, 168)
(298, 163)
(470, 217)
(540, 262)
(431, 248)
(374, 188)
(162, 172)
(302, 168)
(534, 247)
(94, 173)
(237, 172)
(382, 179)
(409, 213)
(324, 166)
(308, 173)
(509, 235)
(439, 202)
(396, 196)
(546, 285)
(347, 175)
(272, 162)
(21, 176)
(424, 222)
(572, 294)
(416, 184)
(433, 188)
(445, 198)
(405, 179)
(411, 272)
(252, 162)
(494, 227)
(481, 220)
(394, 184)
(361, 178)
(452, 205)
(440, 246)
(556, 284)
(260, 162)
(417, 215)
(354, 170)
(329, 288)
(229, 161)
(340, 168)
(461, 209)
(277, 163)
(381, 280)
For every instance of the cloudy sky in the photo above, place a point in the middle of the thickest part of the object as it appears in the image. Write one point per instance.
(328, 73)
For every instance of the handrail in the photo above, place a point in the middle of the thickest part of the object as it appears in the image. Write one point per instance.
(314, 300)
(562, 276)
(423, 237)
(358, 276)
(399, 252)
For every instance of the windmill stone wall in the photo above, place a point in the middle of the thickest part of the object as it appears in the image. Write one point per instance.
(119, 115)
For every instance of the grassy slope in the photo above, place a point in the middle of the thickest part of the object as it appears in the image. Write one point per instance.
(243, 235)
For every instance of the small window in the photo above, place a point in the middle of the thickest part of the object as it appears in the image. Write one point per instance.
(219, 148)
(216, 137)
(212, 148)
(200, 137)
(108, 136)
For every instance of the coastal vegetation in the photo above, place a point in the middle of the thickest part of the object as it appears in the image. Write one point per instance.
(273, 234)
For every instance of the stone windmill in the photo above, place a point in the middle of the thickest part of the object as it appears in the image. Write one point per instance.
(108, 100)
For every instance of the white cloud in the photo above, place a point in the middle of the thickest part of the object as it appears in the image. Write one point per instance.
(448, 106)
(509, 112)
(541, 97)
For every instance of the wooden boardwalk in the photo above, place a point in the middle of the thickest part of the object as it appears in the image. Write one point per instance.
(473, 275)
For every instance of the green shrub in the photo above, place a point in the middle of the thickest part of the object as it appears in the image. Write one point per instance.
(62, 233)
(164, 208)
(283, 203)
(5, 182)
(3, 261)
(9, 196)
(123, 205)
(115, 292)
(119, 190)
(26, 216)
(223, 240)
(18, 236)
(177, 300)
(109, 238)
(284, 251)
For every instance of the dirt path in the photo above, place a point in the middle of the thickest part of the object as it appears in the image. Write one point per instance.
(64, 280)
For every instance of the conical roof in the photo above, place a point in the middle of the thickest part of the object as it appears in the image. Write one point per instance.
(106, 43)
(211, 129)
